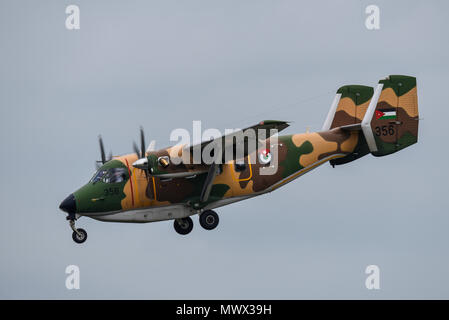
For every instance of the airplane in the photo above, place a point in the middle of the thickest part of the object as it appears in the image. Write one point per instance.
(149, 185)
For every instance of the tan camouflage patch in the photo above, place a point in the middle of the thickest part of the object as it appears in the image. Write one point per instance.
(135, 188)
(389, 96)
(349, 144)
(409, 102)
(347, 105)
(361, 110)
(320, 146)
(229, 177)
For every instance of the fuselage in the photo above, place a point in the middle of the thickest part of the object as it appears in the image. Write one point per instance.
(120, 192)
(177, 182)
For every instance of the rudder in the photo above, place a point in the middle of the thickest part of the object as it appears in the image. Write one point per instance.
(394, 123)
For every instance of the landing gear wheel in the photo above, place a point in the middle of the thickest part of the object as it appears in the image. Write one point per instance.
(209, 219)
(79, 236)
(183, 226)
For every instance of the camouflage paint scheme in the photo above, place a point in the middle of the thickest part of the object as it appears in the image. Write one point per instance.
(297, 154)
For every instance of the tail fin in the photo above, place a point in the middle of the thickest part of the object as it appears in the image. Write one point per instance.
(349, 106)
(348, 110)
(389, 121)
(394, 117)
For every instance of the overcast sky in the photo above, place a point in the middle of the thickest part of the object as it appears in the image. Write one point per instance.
(163, 64)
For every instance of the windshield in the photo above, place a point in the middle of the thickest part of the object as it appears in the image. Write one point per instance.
(115, 175)
(112, 175)
(98, 176)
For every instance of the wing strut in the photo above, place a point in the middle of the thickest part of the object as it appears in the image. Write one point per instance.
(207, 187)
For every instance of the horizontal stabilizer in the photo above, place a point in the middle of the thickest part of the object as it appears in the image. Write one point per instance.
(352, 127)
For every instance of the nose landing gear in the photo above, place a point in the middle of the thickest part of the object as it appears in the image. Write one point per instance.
(79, 235)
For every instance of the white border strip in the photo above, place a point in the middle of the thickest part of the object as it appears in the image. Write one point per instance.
(366, 122)
(330, 116)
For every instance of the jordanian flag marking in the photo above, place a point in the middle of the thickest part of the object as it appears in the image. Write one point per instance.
(386, 114)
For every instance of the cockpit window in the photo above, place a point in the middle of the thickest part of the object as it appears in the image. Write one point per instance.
(98, 176)
(112, 175)
(115, 175)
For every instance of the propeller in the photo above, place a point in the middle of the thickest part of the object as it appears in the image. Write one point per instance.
(141, 153)
(103, 155)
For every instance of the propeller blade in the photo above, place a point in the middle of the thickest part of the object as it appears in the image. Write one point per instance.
(110, 156)
(136, 149)
(142, 143)
(103, 157)
(141, 153)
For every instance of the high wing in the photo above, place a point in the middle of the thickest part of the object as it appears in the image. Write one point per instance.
(229, 142)
(166, 167)
(262, 131)
(181, 161)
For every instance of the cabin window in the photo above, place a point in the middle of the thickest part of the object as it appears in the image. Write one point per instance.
(115, 175)
(239, 167)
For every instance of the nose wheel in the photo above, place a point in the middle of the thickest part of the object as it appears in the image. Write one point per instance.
(79, 235)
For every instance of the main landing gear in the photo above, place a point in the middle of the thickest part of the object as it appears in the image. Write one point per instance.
(183, 226)
(79, 235)
(208, 220)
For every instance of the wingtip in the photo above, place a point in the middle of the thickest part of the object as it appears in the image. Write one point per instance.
(267, 122)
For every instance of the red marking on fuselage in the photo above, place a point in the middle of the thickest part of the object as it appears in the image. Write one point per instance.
(130, 182)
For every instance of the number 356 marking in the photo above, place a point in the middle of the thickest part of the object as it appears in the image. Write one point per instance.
(385, 130)
(111, 191)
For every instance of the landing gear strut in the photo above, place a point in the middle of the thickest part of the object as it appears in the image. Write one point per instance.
(183, 226)
(79, 235)
(209, 219)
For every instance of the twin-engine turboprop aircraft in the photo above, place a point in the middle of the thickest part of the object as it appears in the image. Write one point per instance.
(156, 185)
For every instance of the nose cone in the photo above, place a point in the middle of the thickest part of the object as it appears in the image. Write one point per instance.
(69, 204)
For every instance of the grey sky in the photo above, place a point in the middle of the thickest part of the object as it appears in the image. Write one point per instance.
(162, 64)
